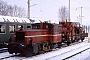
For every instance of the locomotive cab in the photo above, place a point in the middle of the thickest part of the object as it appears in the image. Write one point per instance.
(54, 32)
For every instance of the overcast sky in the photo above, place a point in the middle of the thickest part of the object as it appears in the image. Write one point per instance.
(48, 9)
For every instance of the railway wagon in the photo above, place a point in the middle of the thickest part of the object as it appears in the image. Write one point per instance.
(67, 32)
(71, 32)
(7, 27)
(79, 32)
(41, 38)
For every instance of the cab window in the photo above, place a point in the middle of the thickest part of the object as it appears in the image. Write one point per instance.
(56, 29)
(20, 26)
(36, 27)
(28, 26)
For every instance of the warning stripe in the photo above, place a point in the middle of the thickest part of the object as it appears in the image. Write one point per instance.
(41, 35)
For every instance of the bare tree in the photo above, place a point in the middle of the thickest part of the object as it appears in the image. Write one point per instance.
(63, 13)
(3, 8)
(8, 10)
(18, 11)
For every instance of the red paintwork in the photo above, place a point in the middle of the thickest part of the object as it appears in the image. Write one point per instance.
(68, 28)
(43, 34)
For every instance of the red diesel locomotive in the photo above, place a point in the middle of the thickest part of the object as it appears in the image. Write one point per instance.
(43, 37)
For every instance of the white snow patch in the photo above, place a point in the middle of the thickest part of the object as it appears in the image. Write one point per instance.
(58, 52)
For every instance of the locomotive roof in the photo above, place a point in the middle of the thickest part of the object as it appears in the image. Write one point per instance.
(13, 19)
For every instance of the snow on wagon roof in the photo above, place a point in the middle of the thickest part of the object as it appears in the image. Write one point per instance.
(13, 19)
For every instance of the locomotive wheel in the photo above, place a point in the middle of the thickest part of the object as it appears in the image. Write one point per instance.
(40, 47)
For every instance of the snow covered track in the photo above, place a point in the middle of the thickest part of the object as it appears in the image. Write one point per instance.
(71, 53)
(63, 53)
(5, 55)
(58, 54)
(75, 54)
(3, 50)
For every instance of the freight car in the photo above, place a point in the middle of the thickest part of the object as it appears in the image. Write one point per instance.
(8, 25)
(71, 32)
(41, 38)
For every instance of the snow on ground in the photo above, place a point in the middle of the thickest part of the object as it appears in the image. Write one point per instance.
(3, 48)
(88, 58)
(5, 54)
(82, 56)
(68, 54)
(58, 54)
(15, 58)
(54, 55)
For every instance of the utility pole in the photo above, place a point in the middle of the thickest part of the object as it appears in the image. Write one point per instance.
(81, 16)
(69, 12)
(28, 9)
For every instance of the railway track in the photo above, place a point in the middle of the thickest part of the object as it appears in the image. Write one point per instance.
(61, 52)
(2, 50)
(76, 54)
(68, 54)
(6, 57)
(77, 51)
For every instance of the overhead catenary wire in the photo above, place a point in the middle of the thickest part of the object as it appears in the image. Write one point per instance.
(44, 10)
(83, 5)
(54, 3)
